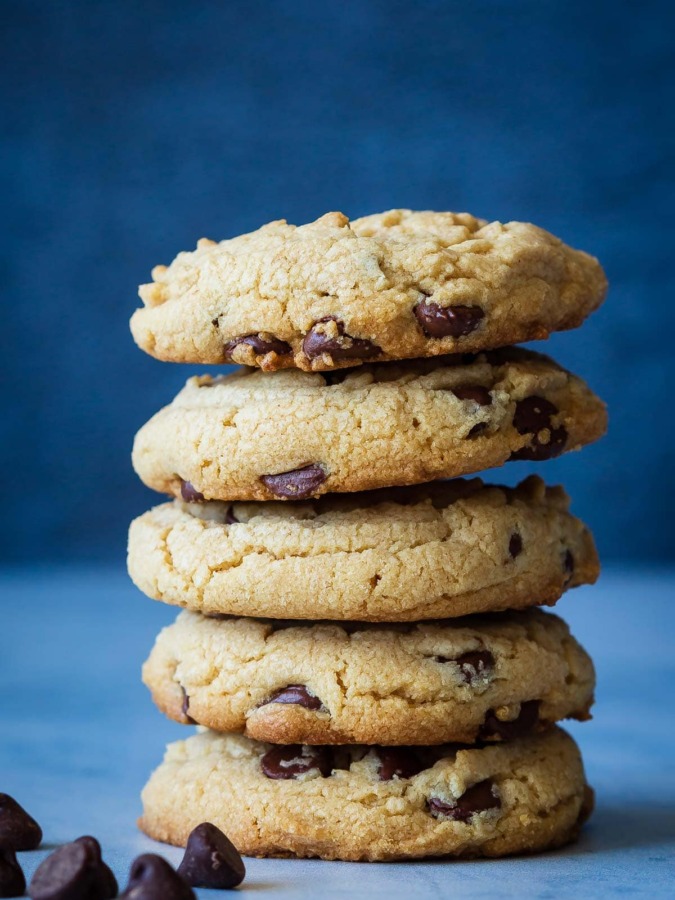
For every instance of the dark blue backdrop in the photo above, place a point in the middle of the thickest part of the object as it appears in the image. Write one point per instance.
(129, 130)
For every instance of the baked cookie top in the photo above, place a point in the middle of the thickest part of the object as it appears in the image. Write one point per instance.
(286, 435)
(335, 293)
(400, 554)
(487, 678)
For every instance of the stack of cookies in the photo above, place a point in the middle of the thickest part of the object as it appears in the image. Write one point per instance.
(360, 639)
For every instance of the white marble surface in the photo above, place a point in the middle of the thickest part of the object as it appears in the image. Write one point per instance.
(78, 737)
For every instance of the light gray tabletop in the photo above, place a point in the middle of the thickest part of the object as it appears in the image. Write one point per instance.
(79, 735)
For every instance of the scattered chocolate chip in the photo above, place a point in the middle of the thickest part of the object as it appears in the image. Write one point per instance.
(261, 343)
(74, 872)
(215, 322)
(568, 562)
(230, 518)
(532, 416)
(291, 760)
(211, 860)
(476, 799)
(18, 830)
(335, 342)
(185, 706)
(296, 694)
(475, 392)
(397, 762)
(447, 321)
(189, 493)
(152, 878)
(12, 881)
(296, 484)
(524, 722)
(515, 545)
(478, 428)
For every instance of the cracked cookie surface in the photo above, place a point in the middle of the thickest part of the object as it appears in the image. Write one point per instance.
(431, 551)
(401, 803)
(462, 681)
(287, 435)
(336, 293)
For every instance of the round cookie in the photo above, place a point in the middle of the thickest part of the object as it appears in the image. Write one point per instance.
(360, 803)
(402, 554)
(291, 435)
(334, 293)
(461, 681)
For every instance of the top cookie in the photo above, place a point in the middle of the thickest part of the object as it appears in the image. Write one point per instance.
(336, 293)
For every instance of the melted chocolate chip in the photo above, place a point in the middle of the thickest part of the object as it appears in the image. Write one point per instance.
(152, 878)
(532, 416)
(447, 321)
(475, 392)
(211, 860)
(189, 493)
(291, 760)
(298, 484)
(536, 450)
(296, 694)
(336, 343)
(397, 762)
(515, 545)
(18, 830)
(260, 344)
(230, 518)
(74, 872)
(12, 880)
(524, 722)
(476, 799)
(185, 706)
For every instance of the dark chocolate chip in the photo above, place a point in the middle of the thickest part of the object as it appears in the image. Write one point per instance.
(296, 694)
(152, 878)
(185, 706)
(18, 830)
(447, 321)
(189, 493)
(211, 860)
(291, 760)
(475, 392)
(476, 799)
(12, 881)
(515, 545)
(568, 562)
(537, 450)
(339, 346)
(524, 722)
(398, 762)
(261, 345)
(73, 872)
(478, 428)
(105, 883)
(296, 484)
(475, 664)
(230, 518)
(532, 416)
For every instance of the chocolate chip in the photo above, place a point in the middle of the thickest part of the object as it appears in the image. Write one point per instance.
(475, 664)
(291, 760)
(397, 762)
(261, 343)
(18, 830)
(74, 872)
(515, 545)
(230, 518)
(447, 321)
(211, 860)
(524, 722)
(152, 878)
(532, 416)
(296, 484)
(335, 342)
(12, 881)
(189, 493)
(185, 706)
(297, 694)
(475, 392)
(478, 428)
(476, 799)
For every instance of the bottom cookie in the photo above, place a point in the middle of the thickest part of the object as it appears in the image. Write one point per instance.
(369, 803)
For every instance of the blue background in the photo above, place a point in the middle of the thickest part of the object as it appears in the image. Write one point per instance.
(129, 130)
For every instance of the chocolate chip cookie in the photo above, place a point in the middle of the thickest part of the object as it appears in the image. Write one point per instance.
(399, 554)
(369, 803)
(462, 680)
(336, 293)
(290, 435)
